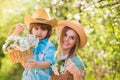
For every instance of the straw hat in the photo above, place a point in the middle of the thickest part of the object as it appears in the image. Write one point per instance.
(40, 16)
(76, 27)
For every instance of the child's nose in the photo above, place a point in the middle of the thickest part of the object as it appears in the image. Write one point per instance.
(39, 31)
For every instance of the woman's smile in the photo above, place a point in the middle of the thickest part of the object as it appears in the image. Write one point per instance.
(69, 39)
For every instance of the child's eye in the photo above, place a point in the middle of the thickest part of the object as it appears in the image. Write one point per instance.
(44, 29)
(36, 28)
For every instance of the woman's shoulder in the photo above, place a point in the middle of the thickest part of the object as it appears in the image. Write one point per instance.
(78, 61)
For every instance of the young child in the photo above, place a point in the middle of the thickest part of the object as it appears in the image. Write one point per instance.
(39, 68)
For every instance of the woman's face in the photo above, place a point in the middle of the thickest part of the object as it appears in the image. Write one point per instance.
(69, 39)
(39, 33)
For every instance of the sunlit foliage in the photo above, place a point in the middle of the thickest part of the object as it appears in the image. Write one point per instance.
(101, 21)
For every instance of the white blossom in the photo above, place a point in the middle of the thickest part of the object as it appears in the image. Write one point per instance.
(62, 69)
(19, 43)
(33, 40)
(56, 69)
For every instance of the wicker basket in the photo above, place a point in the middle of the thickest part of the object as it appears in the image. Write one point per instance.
(66, 76)
(18, 56)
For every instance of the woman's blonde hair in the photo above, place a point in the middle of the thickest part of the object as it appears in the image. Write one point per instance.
(74, 49)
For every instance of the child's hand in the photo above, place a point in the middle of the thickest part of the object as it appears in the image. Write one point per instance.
(19, 27)
(32, 64)
(23, 63)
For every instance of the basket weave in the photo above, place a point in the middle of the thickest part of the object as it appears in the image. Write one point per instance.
(66, 76)
(18, 56)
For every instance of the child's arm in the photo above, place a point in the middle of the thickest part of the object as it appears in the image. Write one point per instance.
(18, 30)
(49, 59)
(34, 64)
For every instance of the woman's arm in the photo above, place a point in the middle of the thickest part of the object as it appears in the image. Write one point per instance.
(78, 75)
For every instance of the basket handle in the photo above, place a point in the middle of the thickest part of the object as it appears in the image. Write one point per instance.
(26, 32)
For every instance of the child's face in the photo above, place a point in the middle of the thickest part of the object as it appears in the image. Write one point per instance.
(39, 33)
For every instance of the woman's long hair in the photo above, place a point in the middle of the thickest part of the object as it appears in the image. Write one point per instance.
(73, 50)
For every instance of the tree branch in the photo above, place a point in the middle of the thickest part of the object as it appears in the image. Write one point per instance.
(110, 5)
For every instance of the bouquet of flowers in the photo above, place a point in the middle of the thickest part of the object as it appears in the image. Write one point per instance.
(20, 48)
(59, 67)
(59, 70)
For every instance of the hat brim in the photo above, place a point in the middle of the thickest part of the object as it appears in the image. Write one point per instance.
(76, 27)
(28, 20)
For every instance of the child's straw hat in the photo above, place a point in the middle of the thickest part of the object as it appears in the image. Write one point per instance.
(40, 16)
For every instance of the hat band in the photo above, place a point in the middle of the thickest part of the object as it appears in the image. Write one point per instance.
(40, 19)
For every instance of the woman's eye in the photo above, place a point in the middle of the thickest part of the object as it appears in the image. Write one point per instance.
(65, 35)
(72, 38)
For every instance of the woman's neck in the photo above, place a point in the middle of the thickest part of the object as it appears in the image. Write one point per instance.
(64, 52)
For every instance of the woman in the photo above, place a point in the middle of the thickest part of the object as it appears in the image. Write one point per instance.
(72, 37)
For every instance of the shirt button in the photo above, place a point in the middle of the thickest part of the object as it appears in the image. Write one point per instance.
(36, 72)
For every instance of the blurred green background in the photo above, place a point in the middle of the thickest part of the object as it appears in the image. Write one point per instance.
(101, 21)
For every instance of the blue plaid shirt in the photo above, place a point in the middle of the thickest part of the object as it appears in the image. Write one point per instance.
(44, 51)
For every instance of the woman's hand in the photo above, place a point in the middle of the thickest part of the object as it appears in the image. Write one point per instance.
(72, 68)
